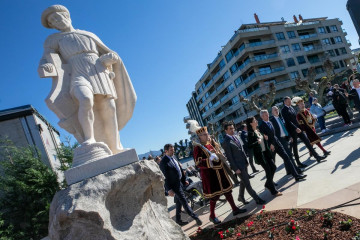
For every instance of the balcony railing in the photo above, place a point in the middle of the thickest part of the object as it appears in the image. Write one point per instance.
(217, 57)
(264, 57)
(255, 44)
(224, 98)
(308, 36)
(249, 78)
(269, 71)
(301, 23)
(312, 48)
(248, 30)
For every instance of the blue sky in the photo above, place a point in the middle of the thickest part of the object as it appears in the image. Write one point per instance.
(165, 46)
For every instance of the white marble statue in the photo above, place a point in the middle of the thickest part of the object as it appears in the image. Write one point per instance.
(92, 93)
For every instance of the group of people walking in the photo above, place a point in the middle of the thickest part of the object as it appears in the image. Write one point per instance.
(257, 141)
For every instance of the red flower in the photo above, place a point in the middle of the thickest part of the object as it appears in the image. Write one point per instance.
(238, 234)
(263, 206)
(293, 228)
(199, 228)
(221, 236)
(221, 232)
(292, 222)
(261, 211)
(227, 230)
(273, 229)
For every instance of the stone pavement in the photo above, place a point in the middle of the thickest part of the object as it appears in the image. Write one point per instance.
(328, 184)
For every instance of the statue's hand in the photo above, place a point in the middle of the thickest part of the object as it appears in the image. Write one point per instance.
(48, 67)
(109, 59)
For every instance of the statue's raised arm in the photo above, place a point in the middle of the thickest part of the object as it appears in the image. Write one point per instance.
(92, 93)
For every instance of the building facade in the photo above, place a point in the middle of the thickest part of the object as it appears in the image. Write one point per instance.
(262, 53)
(25, 126)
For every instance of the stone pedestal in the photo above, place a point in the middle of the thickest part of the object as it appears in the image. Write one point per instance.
(92, 160)
(126, 203)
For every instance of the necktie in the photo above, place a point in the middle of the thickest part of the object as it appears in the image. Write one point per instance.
(270, 126)
(176, 166)
(283, 127)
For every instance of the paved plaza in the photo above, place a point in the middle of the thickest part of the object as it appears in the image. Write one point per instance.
(328, 184)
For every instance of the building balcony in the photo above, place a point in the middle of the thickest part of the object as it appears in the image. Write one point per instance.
(308, 36)
(312, 49)
(250, 30)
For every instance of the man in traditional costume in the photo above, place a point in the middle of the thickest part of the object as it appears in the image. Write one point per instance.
(307, 124)
(92, 95)
(215, 180)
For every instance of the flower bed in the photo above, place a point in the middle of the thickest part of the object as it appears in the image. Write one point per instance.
(293, 224)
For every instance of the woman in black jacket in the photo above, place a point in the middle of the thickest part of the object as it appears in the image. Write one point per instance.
(258, 145)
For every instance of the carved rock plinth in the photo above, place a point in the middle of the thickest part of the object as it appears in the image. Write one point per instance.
(95, 159)
(126, 203)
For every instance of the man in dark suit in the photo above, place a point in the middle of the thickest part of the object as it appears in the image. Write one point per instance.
(292, 126)
(267, 128)
(235, 153)
(354, 94)
(174, 181)
(244, 137)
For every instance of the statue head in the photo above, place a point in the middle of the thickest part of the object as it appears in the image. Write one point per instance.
(56, 16)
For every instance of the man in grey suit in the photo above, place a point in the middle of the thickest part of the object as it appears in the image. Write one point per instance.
(235, 153)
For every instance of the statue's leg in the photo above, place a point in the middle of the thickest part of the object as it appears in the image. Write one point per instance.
(85, 98)
(107, 110)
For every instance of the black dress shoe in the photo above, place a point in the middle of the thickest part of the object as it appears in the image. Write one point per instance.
(260, 201)
(243, 201)
(300, 171)
(238, 211)
(181, 223)
(198, 221)
(298, 178)
(320, 158)
(327, 153)
(251, 176)
(214, 220)
(288, 173)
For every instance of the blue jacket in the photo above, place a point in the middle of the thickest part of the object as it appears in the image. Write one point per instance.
(317, 110)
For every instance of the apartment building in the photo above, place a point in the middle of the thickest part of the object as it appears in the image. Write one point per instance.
(261, 53)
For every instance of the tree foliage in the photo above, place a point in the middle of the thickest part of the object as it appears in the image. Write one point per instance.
(27, 187)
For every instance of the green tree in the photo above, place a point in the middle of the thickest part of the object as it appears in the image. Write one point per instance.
(27, 187)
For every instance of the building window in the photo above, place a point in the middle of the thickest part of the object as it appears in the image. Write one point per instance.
(296, 47)
(290, 62)
(229, 55)
(294, 75)
(313, 59)
(309, 47)
(328, 29)
(285, 49)
(222, 64)
(325, 41)
(343, 50)
(265, 70)
(337, 52)
(331, 53)
(338, 39)
(235, 100)
(238, 81)
(243, 93)
(305, 72)
(342, 63)
(336, 65)
(301, 59)
(291, 34)
(319, 69)
(226, 75)
(233, 68)
(210, 104)
(280, 36)
(321, 30)
(230, 88)
(333, 28)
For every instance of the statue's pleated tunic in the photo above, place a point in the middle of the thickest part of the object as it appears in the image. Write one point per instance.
(81, 52)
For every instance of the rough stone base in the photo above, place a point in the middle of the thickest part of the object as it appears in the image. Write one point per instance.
(126, 203)
(95, 167)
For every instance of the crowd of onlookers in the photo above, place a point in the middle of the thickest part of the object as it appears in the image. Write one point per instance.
(343, 97)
